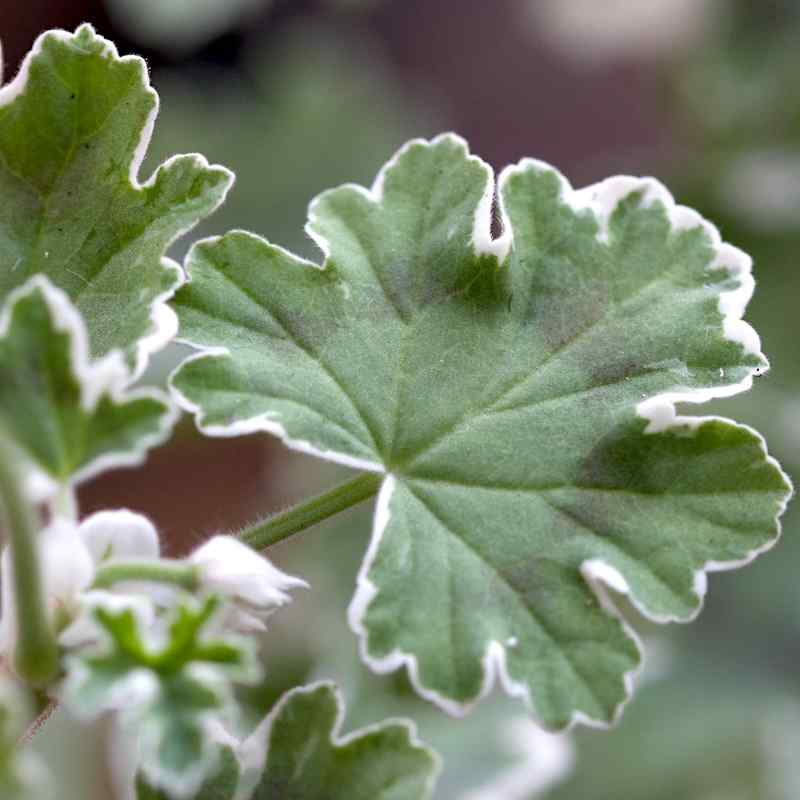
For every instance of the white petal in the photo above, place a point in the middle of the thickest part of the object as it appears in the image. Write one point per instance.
(119, 534)
(67, 570)
(67, 564)
(231, 568)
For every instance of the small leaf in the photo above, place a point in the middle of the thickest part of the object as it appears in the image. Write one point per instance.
(74, 127)
(172, 689)
(70, 419)
(222, 786)
(519, 393)
(307, 759)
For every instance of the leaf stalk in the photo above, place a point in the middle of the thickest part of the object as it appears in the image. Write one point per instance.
(176, 573)
(281, 526)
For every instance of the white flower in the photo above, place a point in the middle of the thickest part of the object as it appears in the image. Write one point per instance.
(255, 587)
(70, 555)
(119, 534)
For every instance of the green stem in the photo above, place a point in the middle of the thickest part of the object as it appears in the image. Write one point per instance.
(283, 525)
(177, 573)
(65, 504)
(35, 656)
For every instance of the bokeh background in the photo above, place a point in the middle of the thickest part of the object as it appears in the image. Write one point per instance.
(299, 95)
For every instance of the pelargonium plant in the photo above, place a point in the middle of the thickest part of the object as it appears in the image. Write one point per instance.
(508, 401)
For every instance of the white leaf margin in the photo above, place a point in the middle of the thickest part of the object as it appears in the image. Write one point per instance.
(163, 320)
(141, 687)
(107, 377)
(601, 199)
(268, 422)
(253, 752)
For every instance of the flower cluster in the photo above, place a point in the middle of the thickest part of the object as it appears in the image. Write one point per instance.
(156, 639)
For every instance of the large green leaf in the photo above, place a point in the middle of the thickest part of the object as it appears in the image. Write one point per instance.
(519, 395)
(70, 419)
(307, 759)
(74, 127)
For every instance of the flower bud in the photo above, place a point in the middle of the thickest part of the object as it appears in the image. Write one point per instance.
(256, 587)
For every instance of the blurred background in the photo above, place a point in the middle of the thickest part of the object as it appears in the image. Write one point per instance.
(299, 95)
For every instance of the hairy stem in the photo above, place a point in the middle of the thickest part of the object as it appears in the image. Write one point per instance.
(41, 720)
(285, 524)
(35, 655)
(176, 573)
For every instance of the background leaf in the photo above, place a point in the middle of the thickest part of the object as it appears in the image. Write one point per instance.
(306, 759)
(221, 786)
(171, 691)
(74, 127)
(70, 419)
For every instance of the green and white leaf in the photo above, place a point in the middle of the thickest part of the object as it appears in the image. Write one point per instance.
(519, 394)
(172, 685)
(74, 127)
(69, 418)
(306, 758)
(22, 775)
(222, 786)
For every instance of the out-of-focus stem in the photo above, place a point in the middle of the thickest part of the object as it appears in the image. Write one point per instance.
(35, 654)
(176, 573)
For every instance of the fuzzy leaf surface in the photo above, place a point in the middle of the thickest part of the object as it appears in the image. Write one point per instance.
(518, 393)
(306, 759)
(69, 419)
(74, 127)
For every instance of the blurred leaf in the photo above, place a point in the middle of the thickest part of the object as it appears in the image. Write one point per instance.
(222, 786)
(732, 744)
(71, 419)
(307, 759)
(180, 26)
(74, 126)
(172, 690)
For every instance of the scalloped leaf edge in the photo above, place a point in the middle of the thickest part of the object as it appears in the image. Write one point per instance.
(254, 751)
(659, 411)
(108, 376)
(164, 321)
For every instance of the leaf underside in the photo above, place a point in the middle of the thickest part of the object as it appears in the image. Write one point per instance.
(306, 762)
(73, 129)
(499, 391)
(42, 406)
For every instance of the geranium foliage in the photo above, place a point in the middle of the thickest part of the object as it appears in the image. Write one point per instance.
(307, 759)
(171, 680)
(511, 400)
(518, 393)
(74, 128)
(70, 419)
